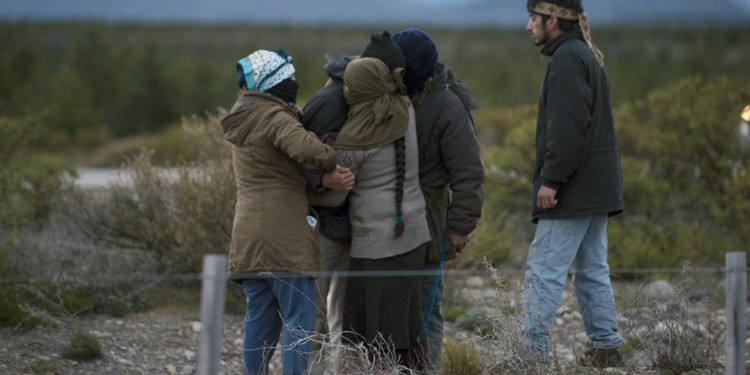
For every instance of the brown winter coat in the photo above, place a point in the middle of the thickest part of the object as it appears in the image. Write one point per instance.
(270, 231)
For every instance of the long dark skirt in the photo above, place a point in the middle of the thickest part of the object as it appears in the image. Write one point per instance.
(387, 306)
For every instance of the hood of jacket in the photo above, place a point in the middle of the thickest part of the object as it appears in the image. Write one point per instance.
(336, 64)
(444, 77)
(250, 103)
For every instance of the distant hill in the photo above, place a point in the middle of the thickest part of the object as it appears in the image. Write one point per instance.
(456, 13)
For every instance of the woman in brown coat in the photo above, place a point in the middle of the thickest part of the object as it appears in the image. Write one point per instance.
(271, 237)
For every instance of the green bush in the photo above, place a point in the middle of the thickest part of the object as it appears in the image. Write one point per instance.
(638, 243)
(12, 313)
(688, 131)
(179, 296)
(169, 149)
(451, 313)
(460, 359)
(52, 302)
(685, 174)
(495, 123)
(83, 346)
(29, 176)
(118, 300)
(113, 299)
(42, 367)
(480, 320)
(502, 232)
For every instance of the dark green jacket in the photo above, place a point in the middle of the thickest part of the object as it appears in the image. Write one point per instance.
(576, 145)
(325, 114)
(449, 159)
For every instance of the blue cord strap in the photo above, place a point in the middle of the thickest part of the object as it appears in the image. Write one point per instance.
(434, 291)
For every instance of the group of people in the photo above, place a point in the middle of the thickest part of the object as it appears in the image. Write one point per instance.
(347, 209)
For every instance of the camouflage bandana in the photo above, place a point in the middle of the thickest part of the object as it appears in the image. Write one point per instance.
(548, 9)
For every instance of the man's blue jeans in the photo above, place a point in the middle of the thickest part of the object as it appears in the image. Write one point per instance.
(277, 305)
(559, 244)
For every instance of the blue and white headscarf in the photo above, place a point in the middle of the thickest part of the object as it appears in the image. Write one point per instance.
(263, 69)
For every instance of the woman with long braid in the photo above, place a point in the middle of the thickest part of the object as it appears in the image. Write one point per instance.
(386, 209)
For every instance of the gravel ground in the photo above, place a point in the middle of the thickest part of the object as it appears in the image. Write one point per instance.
(166, 342)
(145, 343)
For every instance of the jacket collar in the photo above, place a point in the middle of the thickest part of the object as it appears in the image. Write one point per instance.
(234, 126)
(336, 64)
(439, 78)
(552, 46)
(248, 98)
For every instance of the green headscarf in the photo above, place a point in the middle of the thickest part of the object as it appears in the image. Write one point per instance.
(378, 106)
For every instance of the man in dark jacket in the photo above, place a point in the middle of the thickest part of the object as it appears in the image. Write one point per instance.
(451, 172)
(325, 114)
(577, 184)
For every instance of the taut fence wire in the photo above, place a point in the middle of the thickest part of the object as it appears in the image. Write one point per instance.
(214, 279)
(166, 277)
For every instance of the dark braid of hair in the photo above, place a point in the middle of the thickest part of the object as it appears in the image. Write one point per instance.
(400, 145)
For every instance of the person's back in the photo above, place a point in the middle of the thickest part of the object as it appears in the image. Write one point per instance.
(386, 208)
(378, 144)
(325, 114)
(450, 159)
(451, 171)
(371, 213)
(270, 233)
(268, 145)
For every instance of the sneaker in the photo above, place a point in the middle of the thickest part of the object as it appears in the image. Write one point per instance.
(602, 358)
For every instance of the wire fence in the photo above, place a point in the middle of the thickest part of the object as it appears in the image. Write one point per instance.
(214, 280)
(167, 277)
(735, 271)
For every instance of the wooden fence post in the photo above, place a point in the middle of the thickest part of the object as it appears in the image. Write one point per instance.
(212, 313)
(736, 266)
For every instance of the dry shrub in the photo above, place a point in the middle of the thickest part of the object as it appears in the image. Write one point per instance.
(503, 349)
(180, 214)
(499, 338)
(83, 346)
(667, 336)
(460, 359)
(667, 333)
(342, 357)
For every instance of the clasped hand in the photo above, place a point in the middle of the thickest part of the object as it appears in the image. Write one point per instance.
(340, 178)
